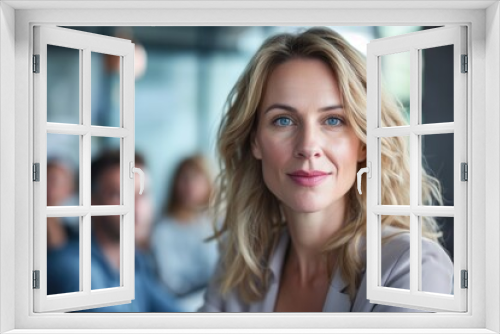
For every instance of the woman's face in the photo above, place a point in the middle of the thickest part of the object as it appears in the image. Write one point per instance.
(309, 154)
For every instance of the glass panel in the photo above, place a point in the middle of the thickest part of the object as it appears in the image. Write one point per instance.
(105, 258)
(437, 255)
(105, 77)
(437, 84)
(63, 156)
(395, 245)
(395, 170)
(105, 171)
(63, 255)
(437, 160)
(63, 85)
(395, 72)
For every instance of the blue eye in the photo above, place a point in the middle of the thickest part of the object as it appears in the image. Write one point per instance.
(333, 121)
(283, 121)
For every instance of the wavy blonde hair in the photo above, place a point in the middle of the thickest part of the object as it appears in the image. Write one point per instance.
(253, 219)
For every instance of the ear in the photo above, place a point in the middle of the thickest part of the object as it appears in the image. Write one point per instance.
(256, 151)
(362, 153)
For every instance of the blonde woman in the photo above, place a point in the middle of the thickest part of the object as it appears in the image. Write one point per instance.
(294, 232)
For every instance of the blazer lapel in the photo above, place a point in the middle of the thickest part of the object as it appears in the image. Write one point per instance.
(336, 299)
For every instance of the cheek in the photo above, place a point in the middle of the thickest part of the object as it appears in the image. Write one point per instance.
(275, 153)
(345, 153)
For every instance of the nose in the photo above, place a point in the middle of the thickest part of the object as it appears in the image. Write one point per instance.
(308, 143)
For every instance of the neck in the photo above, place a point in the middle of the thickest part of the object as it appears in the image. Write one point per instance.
(186, 215)
(309, 233)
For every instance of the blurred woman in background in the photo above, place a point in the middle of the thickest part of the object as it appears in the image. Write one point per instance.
(185, 261)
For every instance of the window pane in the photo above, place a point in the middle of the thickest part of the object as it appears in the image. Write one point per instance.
(395, 170)
(437, 159)
(437, 84)
(63, 85)
(105, 77)
(105, 252)
(437, 255)
(105, 171)
(63, 156)
(395, 70)
(395, 246)
(63, 255)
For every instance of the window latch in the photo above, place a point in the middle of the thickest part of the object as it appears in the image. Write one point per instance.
(138, 171)
(368, 171)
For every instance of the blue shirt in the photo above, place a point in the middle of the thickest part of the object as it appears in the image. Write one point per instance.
(63, 276)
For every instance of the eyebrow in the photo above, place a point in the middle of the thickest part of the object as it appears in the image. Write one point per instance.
(292, 109)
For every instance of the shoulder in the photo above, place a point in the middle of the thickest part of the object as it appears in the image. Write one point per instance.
(67, 251)
(437, 267)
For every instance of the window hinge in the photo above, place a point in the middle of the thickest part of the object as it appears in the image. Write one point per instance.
(36, 172)
(465, 63)
(36, 63)
(36, 279)
(465, 279)
(464, 171)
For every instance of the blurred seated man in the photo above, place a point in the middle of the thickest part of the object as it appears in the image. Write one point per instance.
(63, 261)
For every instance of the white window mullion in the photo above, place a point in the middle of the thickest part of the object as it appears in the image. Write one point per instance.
(127, 122)
(85, 244)
(373, 183)
(414, 172)
(394, 131)
(420, 210)
(433, 129)
(67, 129)
(103, 131)
(80, 211)
(80, 130)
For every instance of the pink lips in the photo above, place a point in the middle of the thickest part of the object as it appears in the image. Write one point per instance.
(308, 178)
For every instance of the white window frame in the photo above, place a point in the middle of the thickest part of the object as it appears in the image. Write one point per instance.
(85, 43)
(16, 21)
(412, 44)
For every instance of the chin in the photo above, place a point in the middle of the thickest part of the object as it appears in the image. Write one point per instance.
(307, 206)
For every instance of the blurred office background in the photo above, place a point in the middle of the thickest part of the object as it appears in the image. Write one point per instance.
(183, 76)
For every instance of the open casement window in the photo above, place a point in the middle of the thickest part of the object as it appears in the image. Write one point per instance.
(417, 134)
(81, 131)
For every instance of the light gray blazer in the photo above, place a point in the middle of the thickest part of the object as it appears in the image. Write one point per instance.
(437, 276)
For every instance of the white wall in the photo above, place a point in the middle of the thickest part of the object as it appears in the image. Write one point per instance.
(7, 189)
(492, 162)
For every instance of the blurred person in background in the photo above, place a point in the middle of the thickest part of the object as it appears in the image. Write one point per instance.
(63, 260)
(60, 191)
(185, 260)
